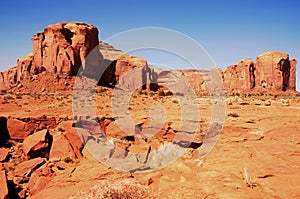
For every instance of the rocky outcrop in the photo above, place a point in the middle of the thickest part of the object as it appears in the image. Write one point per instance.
(272, 71)
(240, 76)
(3, 183)
(38, 144)
(130, 72)
(62, 48)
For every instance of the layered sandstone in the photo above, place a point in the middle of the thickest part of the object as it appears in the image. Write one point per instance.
(130, 72)
(272, 71)
(60, 51)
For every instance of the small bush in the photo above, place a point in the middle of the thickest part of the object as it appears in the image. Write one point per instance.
(161, 93)
(169, 93)
(233, 115)
(8, 97)
(179, 94)
(151, 94)
(121, 189)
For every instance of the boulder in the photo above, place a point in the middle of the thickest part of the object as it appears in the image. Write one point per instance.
(17, 129)
(129, 72)
(61, 148)
(3, 183)
(4, 135)
(72, 135)
(28, 166)
(39, 180)
(38, 144)
(3, 154)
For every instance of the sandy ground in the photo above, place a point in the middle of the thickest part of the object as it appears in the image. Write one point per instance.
(257, 155)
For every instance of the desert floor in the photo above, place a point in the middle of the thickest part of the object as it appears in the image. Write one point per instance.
(257, 155)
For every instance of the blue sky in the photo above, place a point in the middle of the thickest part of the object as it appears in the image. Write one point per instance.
(229, 30)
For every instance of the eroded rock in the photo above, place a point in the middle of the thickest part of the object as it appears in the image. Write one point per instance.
(3, 183)
(38, 144)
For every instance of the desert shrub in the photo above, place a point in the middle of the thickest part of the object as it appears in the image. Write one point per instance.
(179, 94)
(161, 93)
(233, 115)
(121, 189)
(101, 90)
(151, 94)
(8, 97)
(175, 101)
(169, 93)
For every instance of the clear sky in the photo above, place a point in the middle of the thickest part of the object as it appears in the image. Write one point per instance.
(229, 30)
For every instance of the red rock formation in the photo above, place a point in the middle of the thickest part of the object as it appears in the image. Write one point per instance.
(240, 76)
(8, 78)
(64, 47)
(21, 128)
(129, 72)
(17, 129)
(29, 165)
(39, 180)
(3, 154)
(61, 148)
(61, 49)
(272, 71)
(3, 183)
(38, 144)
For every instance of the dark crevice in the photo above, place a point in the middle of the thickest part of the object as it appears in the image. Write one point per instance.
(68, 35)
(285, 68)
(252, 75)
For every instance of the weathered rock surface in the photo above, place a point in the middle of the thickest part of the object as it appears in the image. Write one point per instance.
(61, 148)
(62, 48)
(38, 144)
(73, 138)
(3, 154)
(240, 76)
(3, 183)
(129, 72)
(18, 129)
(21, 128)
(39, 180)
(28, 166)
(272, 71)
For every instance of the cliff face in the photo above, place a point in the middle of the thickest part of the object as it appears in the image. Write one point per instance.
(60, 51)
(61, 48)
(272, 71)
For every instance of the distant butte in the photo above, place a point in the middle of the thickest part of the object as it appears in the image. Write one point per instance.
(61, 49)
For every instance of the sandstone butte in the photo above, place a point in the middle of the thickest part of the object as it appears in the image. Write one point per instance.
(61, 49)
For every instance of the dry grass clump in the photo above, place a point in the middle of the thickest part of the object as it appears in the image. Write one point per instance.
(122, 189)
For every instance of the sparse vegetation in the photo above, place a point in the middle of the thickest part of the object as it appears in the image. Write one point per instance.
(169, 93)
(121, 189)
(161, 93)
(233, 115)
